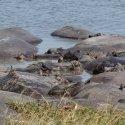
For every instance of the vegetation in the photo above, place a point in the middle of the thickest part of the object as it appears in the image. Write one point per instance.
(46, 114)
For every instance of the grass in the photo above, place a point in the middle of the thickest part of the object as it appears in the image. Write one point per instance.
(46, 114)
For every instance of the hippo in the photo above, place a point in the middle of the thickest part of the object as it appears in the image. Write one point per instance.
(18, 32)
(105, 64)
(26, 83)
(49, 67)
(77, 55)
(99, 46)
(115, 78)
(10, 47)
(101, 91)
(72, 32)
(54, 50)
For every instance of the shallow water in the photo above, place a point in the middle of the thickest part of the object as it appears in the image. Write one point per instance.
(42, 17)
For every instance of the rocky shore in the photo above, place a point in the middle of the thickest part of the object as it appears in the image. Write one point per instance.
(99, 54)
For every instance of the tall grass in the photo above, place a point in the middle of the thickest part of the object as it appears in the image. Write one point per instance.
(46, 114)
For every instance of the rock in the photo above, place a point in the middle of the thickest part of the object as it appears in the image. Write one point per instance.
(72, 32)
(10, 47)
(18, 32)
(99, 46)
(5, 97)
(115, 78)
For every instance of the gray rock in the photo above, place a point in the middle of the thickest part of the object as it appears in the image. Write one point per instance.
(18, 32)
(72, 32)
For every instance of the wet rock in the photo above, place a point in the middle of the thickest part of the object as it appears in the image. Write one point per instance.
(72, 32)
(10, 47)
(18, 32)
(115, 78)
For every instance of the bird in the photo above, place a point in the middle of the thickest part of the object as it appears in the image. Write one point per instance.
(60, 59)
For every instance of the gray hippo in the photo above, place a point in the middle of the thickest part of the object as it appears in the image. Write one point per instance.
(50, 67)
(10, 47)
(99, 46)
(109, 93)
(115, 78)
(105, 64)
(26, 83)
(77, 55)
(18, 32)
(73, 32)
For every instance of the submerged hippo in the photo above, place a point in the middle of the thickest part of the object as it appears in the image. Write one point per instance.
(77, 55)
(73, 32)
(18, 32)
(99, 46)
(49, 67)
(105, 64)
(10, 47)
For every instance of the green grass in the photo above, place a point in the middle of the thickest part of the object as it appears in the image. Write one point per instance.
(45, 114)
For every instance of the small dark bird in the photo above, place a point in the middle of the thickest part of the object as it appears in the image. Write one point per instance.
(121, 87)
(60, 59)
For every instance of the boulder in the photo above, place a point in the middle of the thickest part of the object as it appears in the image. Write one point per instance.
(18, 32)
(10, 47)
(73, 32)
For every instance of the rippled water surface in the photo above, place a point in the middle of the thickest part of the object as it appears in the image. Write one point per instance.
(41, 17)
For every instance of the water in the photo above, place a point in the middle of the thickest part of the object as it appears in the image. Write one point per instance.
(41, 17)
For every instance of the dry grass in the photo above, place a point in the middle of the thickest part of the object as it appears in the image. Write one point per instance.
(45, 114)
